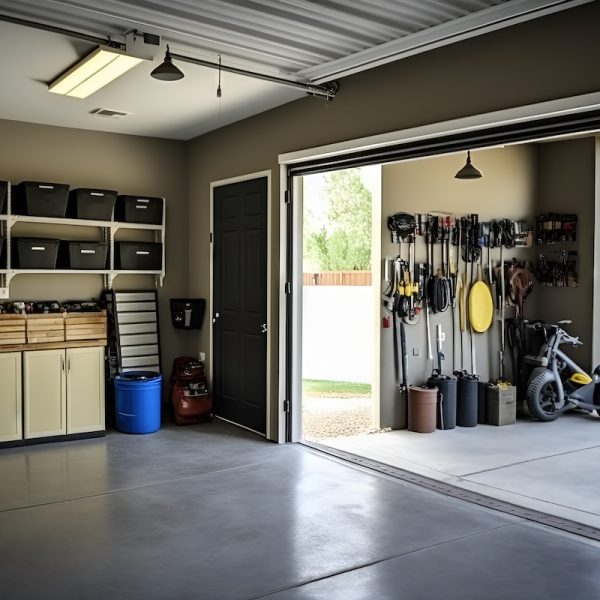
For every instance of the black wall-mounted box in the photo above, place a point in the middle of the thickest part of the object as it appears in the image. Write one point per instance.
(39, 199)
(187, 313)
(83, 255)
(139, 209)
(85, 203)
(138, 256)
(35, 253)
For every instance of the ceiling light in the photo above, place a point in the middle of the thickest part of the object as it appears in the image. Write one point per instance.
(469, 171)
(96, 70)
(167, 71)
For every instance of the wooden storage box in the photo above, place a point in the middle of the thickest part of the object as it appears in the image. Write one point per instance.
(12, 329)
(45, 328)
(85, 326)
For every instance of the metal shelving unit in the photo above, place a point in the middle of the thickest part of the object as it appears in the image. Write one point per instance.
(108, 229)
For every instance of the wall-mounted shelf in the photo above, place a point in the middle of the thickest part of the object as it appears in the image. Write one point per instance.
(108, 229)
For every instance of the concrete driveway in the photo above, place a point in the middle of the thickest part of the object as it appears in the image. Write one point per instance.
(550, 467)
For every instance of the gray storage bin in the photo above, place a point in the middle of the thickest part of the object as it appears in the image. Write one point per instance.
(40, 199)
(3, 194)
(83, 255)
(85, 203)
(139, 209)
(138, 256)
(501, 405)
(35, 253)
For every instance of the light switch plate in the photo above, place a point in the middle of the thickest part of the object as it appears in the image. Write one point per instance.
(3, 292)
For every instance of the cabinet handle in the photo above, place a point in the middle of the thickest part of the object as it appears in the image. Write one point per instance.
(69, 364)
(62, 363)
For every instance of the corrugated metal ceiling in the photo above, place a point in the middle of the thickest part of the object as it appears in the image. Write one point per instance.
(280, 36)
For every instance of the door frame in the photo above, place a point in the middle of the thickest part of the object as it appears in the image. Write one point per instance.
(476, 125)
(270, 435)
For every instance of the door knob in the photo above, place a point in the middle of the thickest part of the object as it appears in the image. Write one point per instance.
(263, 328)
(215, 317)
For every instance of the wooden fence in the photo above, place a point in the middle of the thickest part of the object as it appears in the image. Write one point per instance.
(337, 278)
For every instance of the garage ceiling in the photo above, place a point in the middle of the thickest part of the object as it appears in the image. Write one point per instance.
(299, 40)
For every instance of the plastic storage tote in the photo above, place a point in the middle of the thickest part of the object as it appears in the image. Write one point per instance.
(83, 255)
(85, 203)
(35, 253)
(39, 199)
(3, 187)
(137, 401)
(138, 256)
(139, 209)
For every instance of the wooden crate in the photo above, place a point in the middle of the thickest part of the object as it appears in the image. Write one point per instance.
(12, 329)
(45, 328)
(85, 326)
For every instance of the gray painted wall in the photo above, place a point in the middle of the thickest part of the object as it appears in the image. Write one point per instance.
(549, 58)
(129, 164)
(567, 179)
(508, 189)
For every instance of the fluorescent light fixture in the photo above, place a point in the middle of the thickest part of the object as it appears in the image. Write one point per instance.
(93, 72)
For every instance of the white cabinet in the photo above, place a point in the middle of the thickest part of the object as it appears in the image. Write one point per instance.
(44, 393)
(85, 389)
(11, 426)
(63, 391)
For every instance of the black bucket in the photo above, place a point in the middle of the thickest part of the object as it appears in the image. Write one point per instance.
(466, 403)
(446, 409)
(482, 388)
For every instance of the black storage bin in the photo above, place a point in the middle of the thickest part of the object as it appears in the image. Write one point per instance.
(83, 255)
(139, 209)
(39, 199)
(35, 253)
(2, 253)
(3, 188)
(187, 313)
(482, 391)
(138, 256)
(446, 409)
(85, 203)
(466, 403)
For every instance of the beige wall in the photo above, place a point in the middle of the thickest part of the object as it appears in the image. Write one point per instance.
(128, 164)
(545, 59)
(567, 185)
(508, 189)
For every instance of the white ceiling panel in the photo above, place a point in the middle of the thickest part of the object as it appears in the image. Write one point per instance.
(299, 40)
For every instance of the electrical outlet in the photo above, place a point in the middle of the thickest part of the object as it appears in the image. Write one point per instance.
(3, 292)
(202, 356)
(415, 352)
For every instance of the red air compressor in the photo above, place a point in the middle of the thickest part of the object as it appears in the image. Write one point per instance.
(189, 392)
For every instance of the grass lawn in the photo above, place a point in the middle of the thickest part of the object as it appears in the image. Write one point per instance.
(339, 389)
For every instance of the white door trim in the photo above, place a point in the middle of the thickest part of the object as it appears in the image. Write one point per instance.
(270, 435)
(521, 114)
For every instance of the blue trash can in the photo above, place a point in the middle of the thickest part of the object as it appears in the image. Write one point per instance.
(137, 401)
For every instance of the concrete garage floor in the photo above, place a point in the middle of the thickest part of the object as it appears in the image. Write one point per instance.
(550, 467)
(213, 512)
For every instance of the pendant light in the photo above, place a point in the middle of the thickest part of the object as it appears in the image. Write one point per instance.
(469, 171)
(167, 71)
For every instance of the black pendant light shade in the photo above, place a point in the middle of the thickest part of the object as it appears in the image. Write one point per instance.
(469, 171)
(167, 71)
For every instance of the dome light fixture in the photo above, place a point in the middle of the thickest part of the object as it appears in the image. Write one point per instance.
(469, 171)
(167, 71)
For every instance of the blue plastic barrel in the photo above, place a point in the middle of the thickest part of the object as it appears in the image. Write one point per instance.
(137, 401)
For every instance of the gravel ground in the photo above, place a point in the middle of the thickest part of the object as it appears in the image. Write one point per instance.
(328, 417)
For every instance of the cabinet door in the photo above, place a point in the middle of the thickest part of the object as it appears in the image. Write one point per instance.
(11, 424)
(85, 389)
(44, 393)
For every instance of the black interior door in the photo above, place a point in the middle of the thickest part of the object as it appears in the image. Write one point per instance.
(240, 303)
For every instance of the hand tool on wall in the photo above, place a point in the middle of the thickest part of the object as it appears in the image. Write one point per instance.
(439, 341)
(502, 291)
(427, 286)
